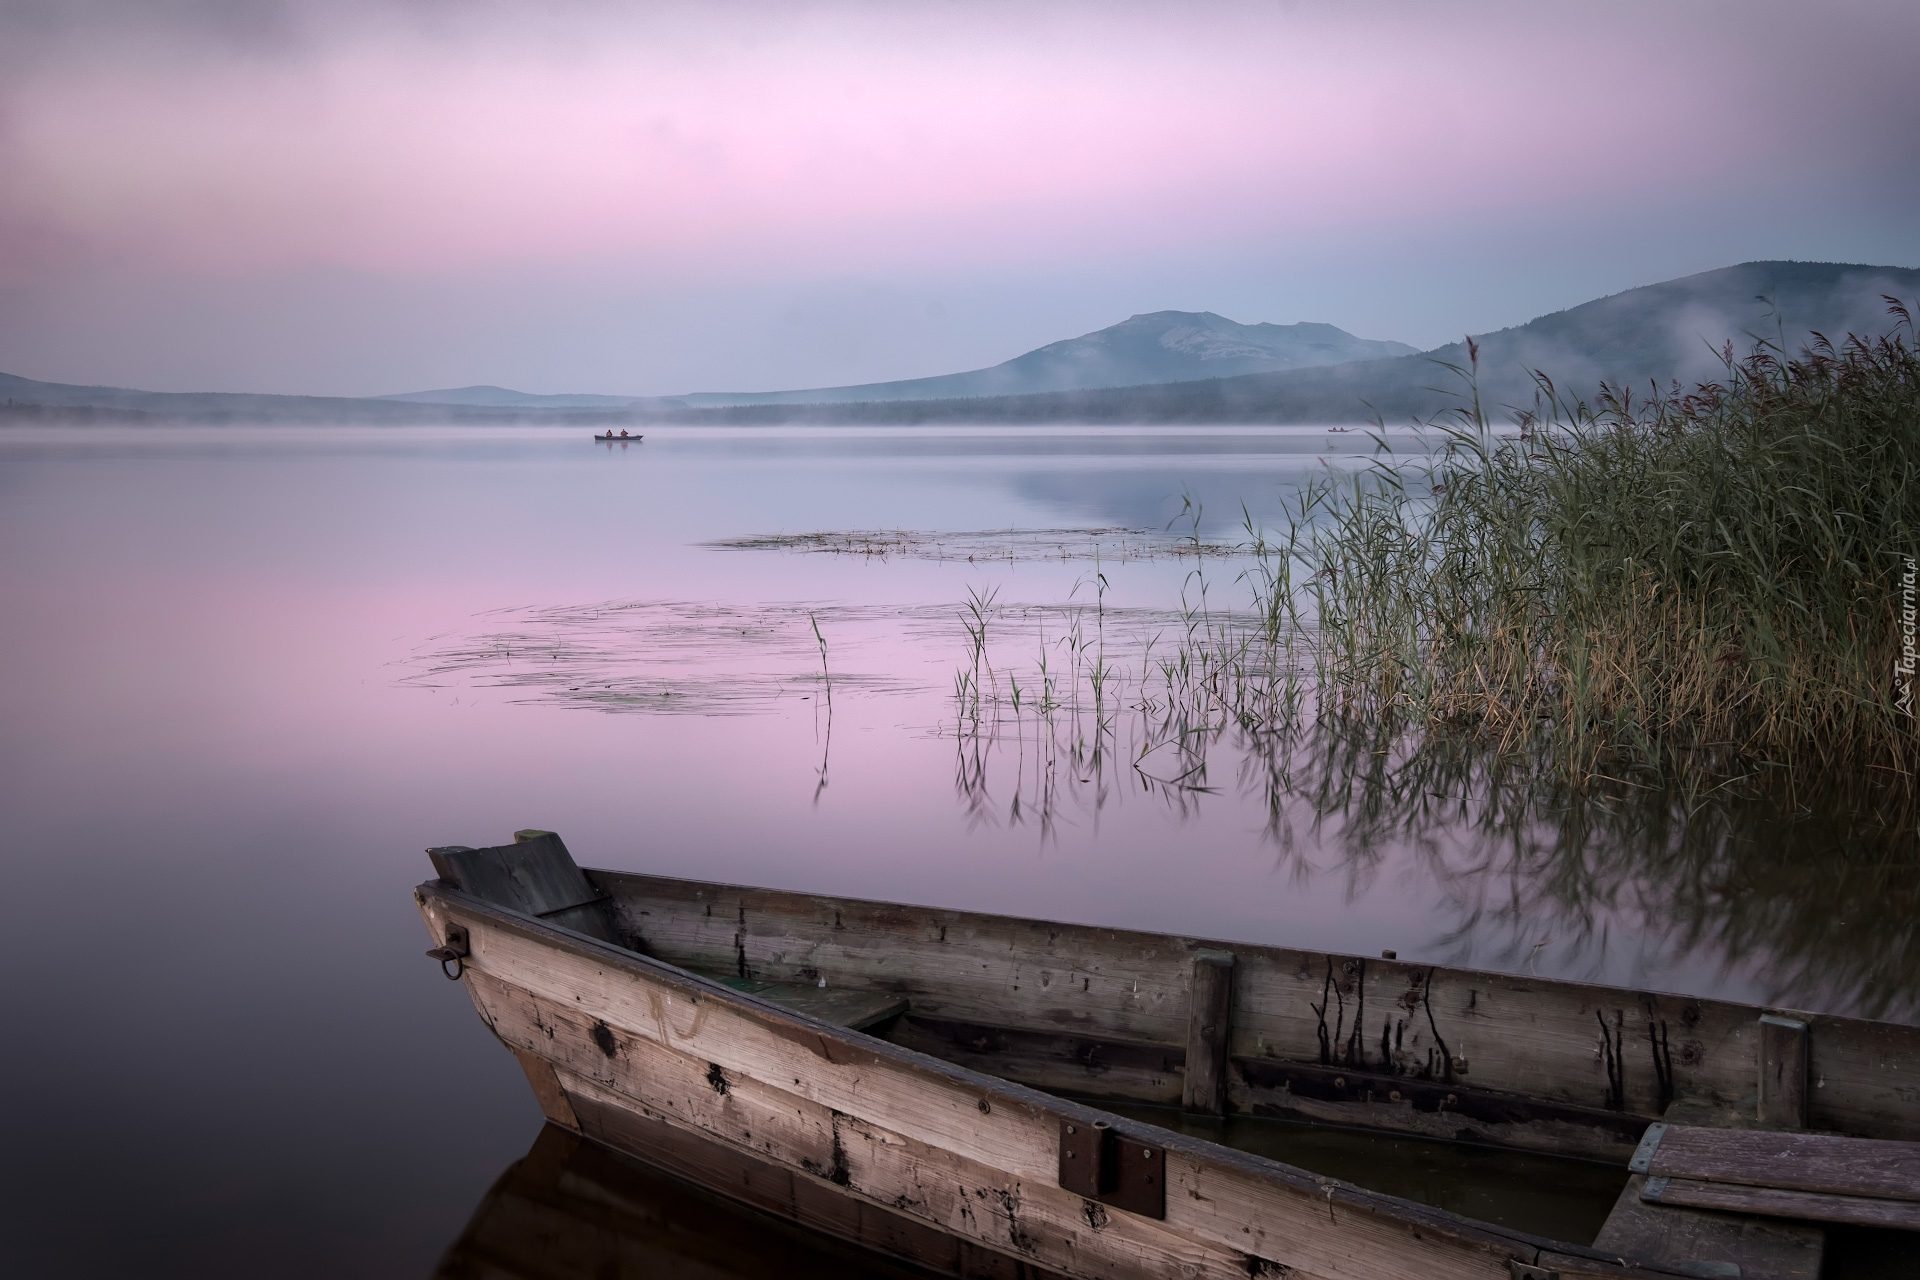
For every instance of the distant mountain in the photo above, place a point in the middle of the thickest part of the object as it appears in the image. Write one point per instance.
(1161, 346)
(504, 398)
(1657, 333)
(1177, 367)
(24, 400)
(1676, 330)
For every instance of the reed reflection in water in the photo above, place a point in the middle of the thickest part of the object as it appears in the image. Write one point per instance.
(1066, 712)
(1809, 889)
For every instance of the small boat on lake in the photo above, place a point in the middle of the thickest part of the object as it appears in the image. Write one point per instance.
(964, 1091)
(622, 438)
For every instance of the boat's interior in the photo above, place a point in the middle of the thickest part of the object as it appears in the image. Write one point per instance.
(1513, 1101)
(1557, 1196)
(1103, 1016)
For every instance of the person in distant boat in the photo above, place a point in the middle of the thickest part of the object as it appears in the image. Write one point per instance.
(623, 433)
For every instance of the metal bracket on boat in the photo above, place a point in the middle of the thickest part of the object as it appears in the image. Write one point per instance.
(1100, 1164)
(1649, 1143)
(456, 950)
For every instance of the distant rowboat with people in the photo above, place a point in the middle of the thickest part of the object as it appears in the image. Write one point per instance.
(623, 437)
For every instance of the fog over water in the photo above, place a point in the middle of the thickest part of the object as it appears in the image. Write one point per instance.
(251, 675)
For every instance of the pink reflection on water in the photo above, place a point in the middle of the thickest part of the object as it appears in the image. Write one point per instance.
(255, 621)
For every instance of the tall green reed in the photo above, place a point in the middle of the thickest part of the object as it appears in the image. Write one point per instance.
(1705, 579)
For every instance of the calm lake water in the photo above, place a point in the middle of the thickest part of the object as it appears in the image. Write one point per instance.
(251, 674)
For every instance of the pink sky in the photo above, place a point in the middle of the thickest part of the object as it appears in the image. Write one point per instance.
(376, 198)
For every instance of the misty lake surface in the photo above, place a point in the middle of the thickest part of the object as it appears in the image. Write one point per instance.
(252, 673)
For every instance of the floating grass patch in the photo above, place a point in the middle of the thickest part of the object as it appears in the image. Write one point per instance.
(664, 657)
(1112, 545)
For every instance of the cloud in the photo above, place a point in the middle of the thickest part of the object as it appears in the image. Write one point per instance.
(700, 146)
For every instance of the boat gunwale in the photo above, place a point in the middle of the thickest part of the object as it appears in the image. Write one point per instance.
(1409, 1214)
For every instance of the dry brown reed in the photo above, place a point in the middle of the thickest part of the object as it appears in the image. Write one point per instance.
(1705, 580)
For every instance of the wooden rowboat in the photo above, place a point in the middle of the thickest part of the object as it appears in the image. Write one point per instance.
(927, 1083)
(612, 439)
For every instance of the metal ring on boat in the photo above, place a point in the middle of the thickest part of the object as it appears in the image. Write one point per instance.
(456, 949)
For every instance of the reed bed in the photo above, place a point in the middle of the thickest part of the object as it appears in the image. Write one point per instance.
(1707, 580)
(1695, 592)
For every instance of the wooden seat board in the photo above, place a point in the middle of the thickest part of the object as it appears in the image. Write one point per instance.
(1709, 1243)
(1805, 1162)
(1773, 1202)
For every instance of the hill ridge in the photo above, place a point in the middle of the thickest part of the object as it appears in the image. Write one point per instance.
(1661, 332)
(1146, 348)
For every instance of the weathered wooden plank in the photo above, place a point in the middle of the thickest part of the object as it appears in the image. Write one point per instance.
(1209, 1024)
(953, 966)
(868, 1165)
(1783, 1072)
(1709, 1243)
(546, 1089)
(1862, 1077)
(821, 1208)
(1051, 1060)
(536, 875)
(1456, 1112)
(1555, 1042)
(1217, 1198)
(847, 1006)
(1553, 1265)
(1560, 1042)
(1776, 1202)
(1790, 1161)
(1135, 1072)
